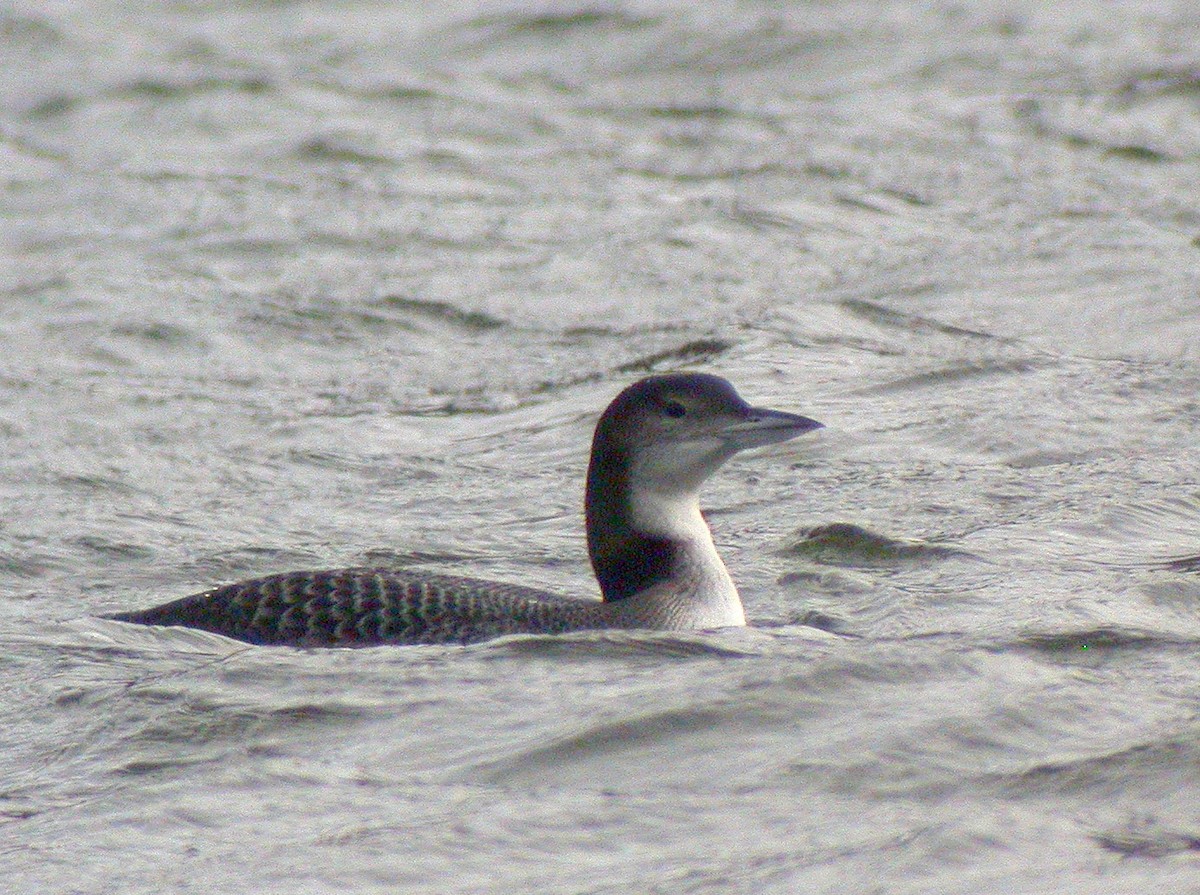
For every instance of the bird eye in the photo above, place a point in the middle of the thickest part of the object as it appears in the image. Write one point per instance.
(674, 409)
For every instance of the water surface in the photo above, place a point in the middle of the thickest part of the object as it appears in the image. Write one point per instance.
(308, 285)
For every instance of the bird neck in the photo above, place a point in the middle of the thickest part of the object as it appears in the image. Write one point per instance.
(640, 538)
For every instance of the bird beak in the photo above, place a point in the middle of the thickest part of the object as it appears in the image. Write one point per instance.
(763, 426)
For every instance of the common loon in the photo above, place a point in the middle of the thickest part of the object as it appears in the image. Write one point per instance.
(650, 548)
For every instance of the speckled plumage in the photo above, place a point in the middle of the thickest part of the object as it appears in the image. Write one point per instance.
(370, 607)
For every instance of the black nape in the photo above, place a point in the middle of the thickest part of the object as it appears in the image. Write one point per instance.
(632, 563)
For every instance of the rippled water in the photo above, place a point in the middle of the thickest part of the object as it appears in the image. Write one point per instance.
(294, 285)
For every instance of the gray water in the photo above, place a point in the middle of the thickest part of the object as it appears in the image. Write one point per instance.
(297, 285)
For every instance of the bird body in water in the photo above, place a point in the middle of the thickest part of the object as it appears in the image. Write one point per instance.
(651, 550)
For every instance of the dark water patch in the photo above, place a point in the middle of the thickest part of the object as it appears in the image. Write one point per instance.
(951, 374)
(1093, 638)
(18, 813)
(340, 150)
(1055, 122)
(248, 246)
(399, 93)
(877, 205)
(403, 559)
(1148, 838)
(32, 568)
(474, 401)
(693, 352)
(766, 219)
(28, 30)
(563, 383)
(406, 307)
(602, 330)
(1136, 153)
(154, 89)
(113, 550)
(36, 288)
(315, 714)
(53, 106)
(1182, 80)
(163, 334)
(11, 383)
(314, 325)
(327, 459)
(337, 323)
(692, 113)
(890, 318)
(162, 89)
(848, 545)
(559, 24)
(1124, 151)
(146, 767)
(811, 618)
(1102, 771)
(906, 196)
(1190, 564)
(29, 562)
(1096, 644)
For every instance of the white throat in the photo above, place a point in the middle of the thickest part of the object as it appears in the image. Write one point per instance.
(673, 515)
(700, 593)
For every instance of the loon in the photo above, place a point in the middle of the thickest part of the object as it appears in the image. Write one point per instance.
(650, 548)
